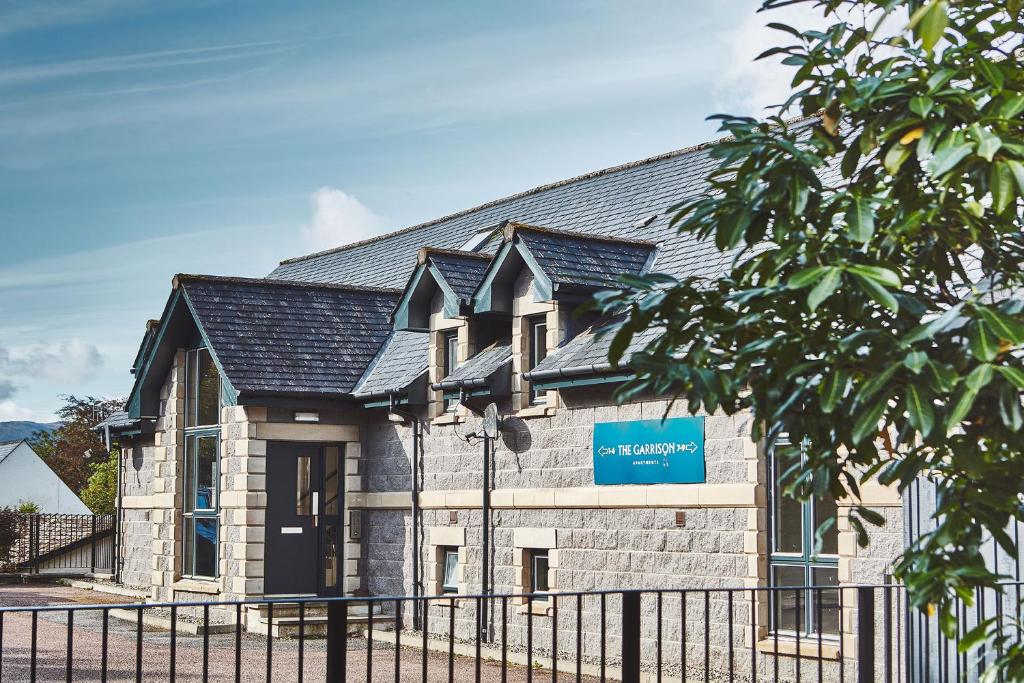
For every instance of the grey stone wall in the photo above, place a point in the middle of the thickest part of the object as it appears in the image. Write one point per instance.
(136, 526)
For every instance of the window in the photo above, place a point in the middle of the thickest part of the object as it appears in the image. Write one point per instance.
(450, 582)
(538, 352)
(202, 474)
(201, 503)
(202, 389)
(539, 574)
(795, 559)
(451, 361)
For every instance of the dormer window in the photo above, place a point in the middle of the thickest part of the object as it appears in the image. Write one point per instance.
(451, 361)
(538, 352)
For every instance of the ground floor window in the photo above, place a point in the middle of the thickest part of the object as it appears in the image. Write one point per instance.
(799, 558)
(201, 504)
(539, 574)
(450, 570)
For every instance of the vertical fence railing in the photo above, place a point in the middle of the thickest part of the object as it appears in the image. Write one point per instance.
(61, 542)
(661, 635)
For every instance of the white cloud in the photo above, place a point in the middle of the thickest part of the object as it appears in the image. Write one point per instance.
(9, 410)
(339, 218)
(749, 87)
(69, 363)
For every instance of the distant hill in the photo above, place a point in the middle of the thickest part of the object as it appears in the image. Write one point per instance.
(14, 430)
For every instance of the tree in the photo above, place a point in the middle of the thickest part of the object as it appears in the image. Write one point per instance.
(10, 532)
(100, 491)
(70, 448)
(872, 309)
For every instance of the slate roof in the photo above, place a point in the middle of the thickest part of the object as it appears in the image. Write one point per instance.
(630, 201)
(462, 270)
(401, 359)
(573, 260)
(586, 353)
(477, 370)
(282, 337)
(117, 420)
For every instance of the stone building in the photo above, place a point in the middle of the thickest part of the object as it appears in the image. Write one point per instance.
(319, 432)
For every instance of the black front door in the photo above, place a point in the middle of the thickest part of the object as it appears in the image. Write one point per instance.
(303, 519)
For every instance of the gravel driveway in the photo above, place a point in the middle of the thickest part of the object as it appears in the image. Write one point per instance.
(86, 662)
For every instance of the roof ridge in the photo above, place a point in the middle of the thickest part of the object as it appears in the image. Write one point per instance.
(298, 284)
(456, 252)
(525, 193)
(515, 225)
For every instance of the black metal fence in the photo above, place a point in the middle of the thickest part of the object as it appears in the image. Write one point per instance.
(632, 635)
(60, 543)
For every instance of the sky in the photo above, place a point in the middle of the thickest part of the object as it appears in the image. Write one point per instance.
(143, 139)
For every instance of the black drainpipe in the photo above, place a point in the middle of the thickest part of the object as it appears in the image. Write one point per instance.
(417, 560)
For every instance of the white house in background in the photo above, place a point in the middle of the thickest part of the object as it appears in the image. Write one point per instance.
(25, 477)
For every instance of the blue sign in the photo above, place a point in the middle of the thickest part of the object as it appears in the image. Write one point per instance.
(649, 451)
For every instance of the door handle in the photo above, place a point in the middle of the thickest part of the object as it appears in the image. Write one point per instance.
(316, 508)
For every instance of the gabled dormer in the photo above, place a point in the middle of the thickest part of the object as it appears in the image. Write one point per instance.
(535, 285)
(450, 277)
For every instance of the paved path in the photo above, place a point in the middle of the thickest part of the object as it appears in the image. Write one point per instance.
(87, 653)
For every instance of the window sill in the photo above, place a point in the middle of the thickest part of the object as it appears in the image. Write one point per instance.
(537, 608)
(447, 419)
(536, 411)
(210, 586)
(808, 647)
(447, 601)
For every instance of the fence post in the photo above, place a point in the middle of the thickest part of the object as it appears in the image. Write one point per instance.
(865, 634)
(337, 640)
(92, 547)
(631, 637)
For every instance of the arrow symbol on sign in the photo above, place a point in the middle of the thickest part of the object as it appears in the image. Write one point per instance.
(691, 447)
(604, 450)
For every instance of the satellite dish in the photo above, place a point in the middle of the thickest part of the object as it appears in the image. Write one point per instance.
(491, 421)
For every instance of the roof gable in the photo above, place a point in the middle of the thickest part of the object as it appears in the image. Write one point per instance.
(563, 263)
(455, 273)
(269, 337)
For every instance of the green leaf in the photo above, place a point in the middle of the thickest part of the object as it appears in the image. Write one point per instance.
(979, 377)
(871, 387)
(1013, 375)
(1003, 325)
(1017, 169)
(947, 158)
(988, 142)
(984, 344)
(929, 22)
(990, 72)
(860, 220)
(866, 425)
(921, 105)
(931, 328)
(960, 408)
(895, 157)
(878, 293)
(1011, 107)
(1002, 186)
(919, 409)
(807, 277)
(824, 289)
(915, 361)
(883, 276)
(832, 389)
(1009, 408)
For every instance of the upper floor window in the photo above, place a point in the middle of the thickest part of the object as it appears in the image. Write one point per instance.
(538, 352)
(797, 559)
(202, 389)
(451, 361)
